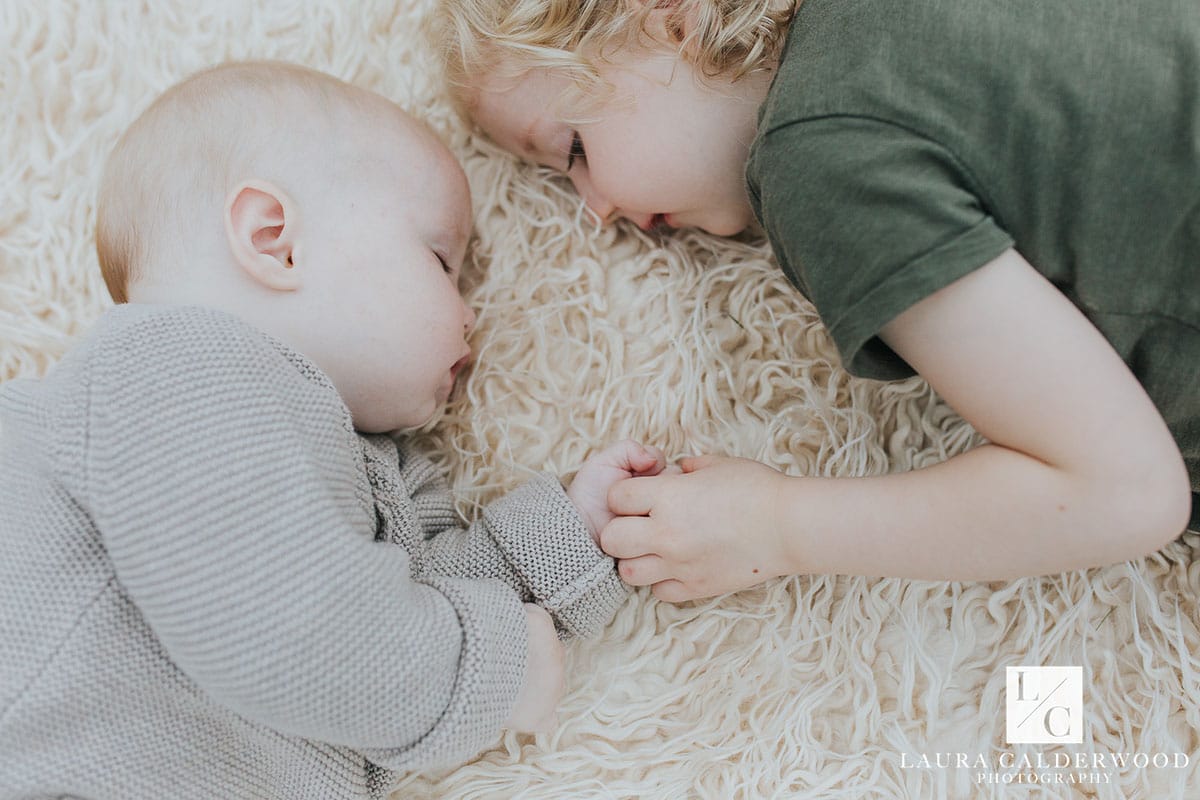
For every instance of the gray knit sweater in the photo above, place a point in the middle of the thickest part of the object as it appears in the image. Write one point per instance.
(201, 592)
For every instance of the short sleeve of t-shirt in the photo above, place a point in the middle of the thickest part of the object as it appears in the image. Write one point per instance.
(867, 218)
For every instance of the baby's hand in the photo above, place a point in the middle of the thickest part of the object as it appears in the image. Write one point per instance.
(589, 490)
(537, 702)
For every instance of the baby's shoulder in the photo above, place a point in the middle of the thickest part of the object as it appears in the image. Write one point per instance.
(195, 354)
(193, 340)
(138, 349)
(166, 330)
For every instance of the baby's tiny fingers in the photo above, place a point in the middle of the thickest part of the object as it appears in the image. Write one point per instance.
(660, 458)
(627, 455)
(651, 462)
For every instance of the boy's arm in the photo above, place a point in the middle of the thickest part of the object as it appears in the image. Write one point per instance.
(532, 538)
(1080, 470)
(225, 487)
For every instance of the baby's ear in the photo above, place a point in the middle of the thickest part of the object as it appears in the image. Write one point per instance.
(261, 223)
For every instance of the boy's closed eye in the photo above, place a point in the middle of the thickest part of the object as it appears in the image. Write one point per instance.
(576, 151)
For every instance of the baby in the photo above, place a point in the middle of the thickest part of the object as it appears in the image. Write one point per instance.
(218, 576)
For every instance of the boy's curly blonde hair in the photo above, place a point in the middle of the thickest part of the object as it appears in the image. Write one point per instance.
(729, 38)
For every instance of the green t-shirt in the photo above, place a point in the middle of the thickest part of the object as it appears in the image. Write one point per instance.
(905, 143)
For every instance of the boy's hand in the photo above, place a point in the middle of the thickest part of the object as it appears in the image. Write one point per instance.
(713, 529)
(590, 489)
(537, 703)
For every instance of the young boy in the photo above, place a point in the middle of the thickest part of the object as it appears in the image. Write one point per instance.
(1001, 197)
(201, 592)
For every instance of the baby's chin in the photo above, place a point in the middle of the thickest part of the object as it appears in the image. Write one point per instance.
(398, 419)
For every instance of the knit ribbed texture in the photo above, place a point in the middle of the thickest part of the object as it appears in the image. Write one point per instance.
(201, 592)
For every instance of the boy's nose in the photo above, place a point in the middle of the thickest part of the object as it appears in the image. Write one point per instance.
(603, 209)
(598, 203)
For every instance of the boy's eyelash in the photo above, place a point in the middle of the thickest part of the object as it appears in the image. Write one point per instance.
(445, 266)
(576, 151)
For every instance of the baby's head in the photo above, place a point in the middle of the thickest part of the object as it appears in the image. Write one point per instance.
(648, 107)
(317, 211)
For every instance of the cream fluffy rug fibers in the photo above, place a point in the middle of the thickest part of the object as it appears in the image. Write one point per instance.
(804, 687)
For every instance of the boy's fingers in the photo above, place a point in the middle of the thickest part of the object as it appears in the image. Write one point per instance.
(671, 591)
(626, 537)
(632, 497)
(694, 463)
(642, 571)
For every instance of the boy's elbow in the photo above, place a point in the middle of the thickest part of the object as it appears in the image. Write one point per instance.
(1176, 504)
(1155, 506)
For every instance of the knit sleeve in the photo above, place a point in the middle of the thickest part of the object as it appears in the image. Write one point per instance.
(533, 539)
(224, 484)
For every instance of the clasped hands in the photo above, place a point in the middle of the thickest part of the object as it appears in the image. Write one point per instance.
(702, 527)
(705, 526)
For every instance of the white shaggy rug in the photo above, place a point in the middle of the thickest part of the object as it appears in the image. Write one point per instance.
(804, 687)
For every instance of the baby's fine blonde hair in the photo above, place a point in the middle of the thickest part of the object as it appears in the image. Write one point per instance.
(177, 161)
(730, 38)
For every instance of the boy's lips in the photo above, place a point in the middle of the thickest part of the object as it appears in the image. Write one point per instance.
(657, 221)
(458, 365)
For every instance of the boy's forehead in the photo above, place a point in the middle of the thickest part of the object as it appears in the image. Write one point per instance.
(511, 110)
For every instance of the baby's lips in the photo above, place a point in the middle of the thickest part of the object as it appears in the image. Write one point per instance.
(462, 362)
